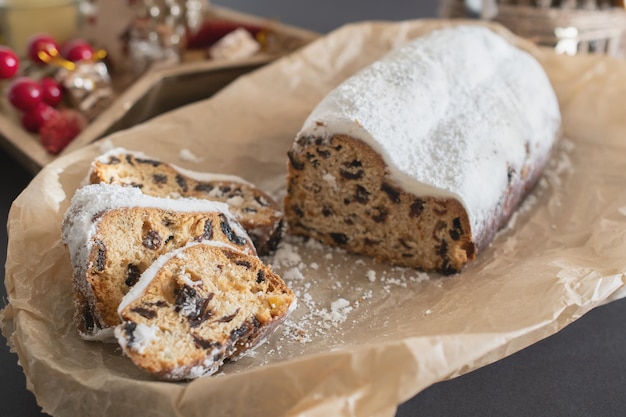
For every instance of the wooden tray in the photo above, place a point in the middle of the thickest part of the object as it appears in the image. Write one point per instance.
(157, 91)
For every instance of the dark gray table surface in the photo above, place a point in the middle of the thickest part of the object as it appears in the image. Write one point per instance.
(580, 371)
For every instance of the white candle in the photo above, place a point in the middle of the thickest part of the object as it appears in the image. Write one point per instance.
(20, 19)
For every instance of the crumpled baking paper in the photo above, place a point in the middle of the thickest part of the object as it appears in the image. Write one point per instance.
(365, 336)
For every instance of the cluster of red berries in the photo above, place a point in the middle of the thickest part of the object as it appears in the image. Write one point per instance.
(38, 100)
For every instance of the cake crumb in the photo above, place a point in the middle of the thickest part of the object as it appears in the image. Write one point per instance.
(293, 274)
(286, 256)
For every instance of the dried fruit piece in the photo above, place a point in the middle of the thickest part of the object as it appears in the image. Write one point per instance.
(152, 240)
(297, 165)
(351, 175)
(339, 238)
(229, 232)
(392, 192)
(417, 208)
(132, 275)
(145, 312)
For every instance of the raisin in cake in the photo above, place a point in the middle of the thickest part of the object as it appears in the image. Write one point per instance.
(114, 233)
(257, 212)
(200, 305)
(418, 159)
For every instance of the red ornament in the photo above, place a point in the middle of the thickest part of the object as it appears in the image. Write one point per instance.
(42, 49)
(52, 93)
(9, 62)
(25, 93)
(77, 50)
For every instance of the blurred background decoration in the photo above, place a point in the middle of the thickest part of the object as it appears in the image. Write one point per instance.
(73, 71)
(160, 28)
(570, 26)
(20, 19)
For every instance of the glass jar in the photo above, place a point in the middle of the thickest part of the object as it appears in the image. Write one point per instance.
(20, 19)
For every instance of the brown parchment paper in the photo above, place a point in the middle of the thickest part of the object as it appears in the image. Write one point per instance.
(365, 337)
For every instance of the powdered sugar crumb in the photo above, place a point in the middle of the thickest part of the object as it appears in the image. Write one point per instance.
(105, 145)
(286, 256)
(340, 305)
(338, 313)
(334, 293)
(331, 180)
(293, 274)
(189, 156)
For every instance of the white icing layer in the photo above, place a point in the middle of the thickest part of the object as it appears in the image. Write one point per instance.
(452, 114)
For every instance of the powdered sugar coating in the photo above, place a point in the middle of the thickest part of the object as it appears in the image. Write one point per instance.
(452, 114)
(143, 336)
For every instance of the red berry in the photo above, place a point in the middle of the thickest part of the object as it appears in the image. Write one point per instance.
(77, 50)
(33, 120)
(42, 43)
(9, 63)
(25, 93)
(51, 90)
(60, 129)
